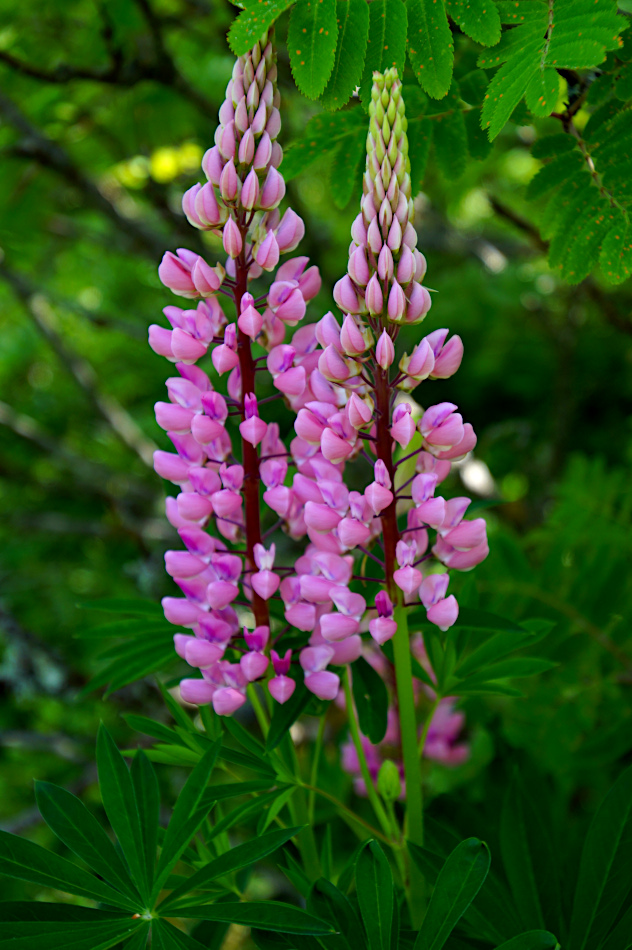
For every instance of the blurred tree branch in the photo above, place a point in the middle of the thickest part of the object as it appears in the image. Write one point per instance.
(40, 311)
(122, 71)
(604, 301)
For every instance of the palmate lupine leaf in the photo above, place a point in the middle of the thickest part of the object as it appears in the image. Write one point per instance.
(376, 895)
(560, 34)
(589, 189)
(458, 883)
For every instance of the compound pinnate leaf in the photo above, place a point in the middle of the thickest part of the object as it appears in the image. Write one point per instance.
(564, 34)
(311, 40)
(386, 45)
(478, 18)
(322, 135)
(458, 883)
(353, 30)
(252, 23)
(430, 46)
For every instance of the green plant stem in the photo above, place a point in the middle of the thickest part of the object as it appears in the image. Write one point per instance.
(349, 815)
(297, 805)
(318, 745)
(374, 798)
(412, 767)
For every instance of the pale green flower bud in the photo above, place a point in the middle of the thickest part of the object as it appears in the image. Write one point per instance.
(389, 783)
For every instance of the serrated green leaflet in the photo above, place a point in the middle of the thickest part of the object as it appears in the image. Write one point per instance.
(543, 91)
(615, 258)
(458, 883)
(430, 46)
(567, 34)
(311, 41)
(386, 45)
(253, 22)
(73, 824)
(353, 29)
(374, 886)
(478, 18)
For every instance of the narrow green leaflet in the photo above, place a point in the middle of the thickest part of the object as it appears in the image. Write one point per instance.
(139, 940)
(233, 860)
(311, 42)
(266, 915)
(252, 23)
(450, 136)
(187, 816)
(26, 861)
(604, 880)
(165, 936)
(131, 627)
(131, 661)
(220, 792)
(478, 18)
(386, 45)
(147, 792)
(529, 859)
(353, 30)
(376, 897)
(371, 699)
(459, 881)
(63, 935)
(72, 823)
(532, 940)
(326, 901)
(254, 807)
(430, 46)
(621, 937)
(121, 807)
(565, 34)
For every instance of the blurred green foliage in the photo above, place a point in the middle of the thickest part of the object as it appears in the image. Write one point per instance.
(105, 112)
